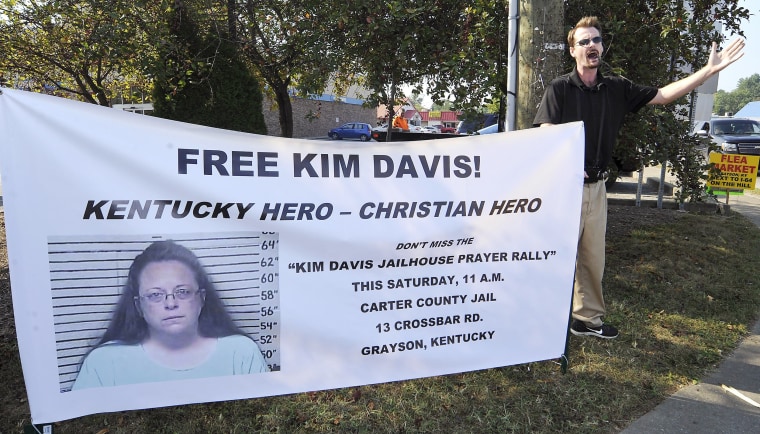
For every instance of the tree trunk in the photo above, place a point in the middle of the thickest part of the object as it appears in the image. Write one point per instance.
(285, 108)
(231, 19)
(391, 111)
(542, 42)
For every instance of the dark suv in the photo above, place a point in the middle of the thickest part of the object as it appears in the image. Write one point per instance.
(733, 135)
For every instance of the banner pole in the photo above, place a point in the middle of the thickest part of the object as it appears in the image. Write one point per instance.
(565, 357)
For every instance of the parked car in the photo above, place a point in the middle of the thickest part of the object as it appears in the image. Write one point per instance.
(488, 130)
(476, 122)
(431, 130)
(733, 135)
(351, 130)
(412, 128)
(448, 130)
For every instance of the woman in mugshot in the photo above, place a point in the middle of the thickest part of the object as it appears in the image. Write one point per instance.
(169, 324)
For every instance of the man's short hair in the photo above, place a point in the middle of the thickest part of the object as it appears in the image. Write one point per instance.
(583, 22)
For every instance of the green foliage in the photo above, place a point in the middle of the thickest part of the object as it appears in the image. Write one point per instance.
(395, 43)
(691, 168)
(416, 100)
(475, 73)
(444, 105)
(203, 80)
(644, 41)
(747, 90)
(79, 48)
(237, 97)
(179, 92)
(455, 51)
(287, 42)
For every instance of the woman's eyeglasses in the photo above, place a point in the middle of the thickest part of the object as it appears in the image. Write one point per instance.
(586, 42)
(160, 296)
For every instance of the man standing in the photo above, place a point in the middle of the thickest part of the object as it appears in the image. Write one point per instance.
(602, 102)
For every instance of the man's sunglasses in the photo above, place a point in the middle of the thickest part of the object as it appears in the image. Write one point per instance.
(585, 42)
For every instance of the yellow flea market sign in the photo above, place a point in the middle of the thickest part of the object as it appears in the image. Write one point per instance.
(736, 171)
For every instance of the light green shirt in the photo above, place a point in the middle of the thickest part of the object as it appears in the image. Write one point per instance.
(114, 364)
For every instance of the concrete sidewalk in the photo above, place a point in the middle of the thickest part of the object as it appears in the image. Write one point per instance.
(724, 402)
(728, 399)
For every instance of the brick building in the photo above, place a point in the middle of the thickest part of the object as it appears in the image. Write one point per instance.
(314, 118)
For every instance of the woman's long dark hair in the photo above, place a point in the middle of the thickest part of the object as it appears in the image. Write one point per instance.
(127, 324)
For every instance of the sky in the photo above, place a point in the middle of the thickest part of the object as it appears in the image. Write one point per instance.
(747, 65)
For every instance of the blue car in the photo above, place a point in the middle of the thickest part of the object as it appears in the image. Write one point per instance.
(351, 130)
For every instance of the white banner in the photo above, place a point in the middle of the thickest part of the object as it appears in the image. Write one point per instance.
(347, 263)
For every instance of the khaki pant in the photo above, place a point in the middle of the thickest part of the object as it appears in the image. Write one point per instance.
(588, 300)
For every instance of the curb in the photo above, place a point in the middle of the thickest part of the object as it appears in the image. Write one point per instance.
(667, 203)
(655, 184)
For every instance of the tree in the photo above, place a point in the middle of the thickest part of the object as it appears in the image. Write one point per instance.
(416, 99)
(84, 48)
(474, 72)
(444, 105)
(747, 90)
(285, 41)
(203, 80)
(392, 44)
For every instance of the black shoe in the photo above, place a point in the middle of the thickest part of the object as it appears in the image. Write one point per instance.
(579, 328)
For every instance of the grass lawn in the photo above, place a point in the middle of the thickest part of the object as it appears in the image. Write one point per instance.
(682, 288)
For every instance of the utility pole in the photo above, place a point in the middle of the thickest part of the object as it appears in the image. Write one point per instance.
(543, 43)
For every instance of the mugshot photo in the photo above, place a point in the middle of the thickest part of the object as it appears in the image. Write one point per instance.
(141, 309)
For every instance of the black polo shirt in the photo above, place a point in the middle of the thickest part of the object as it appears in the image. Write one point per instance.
(602, 109)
